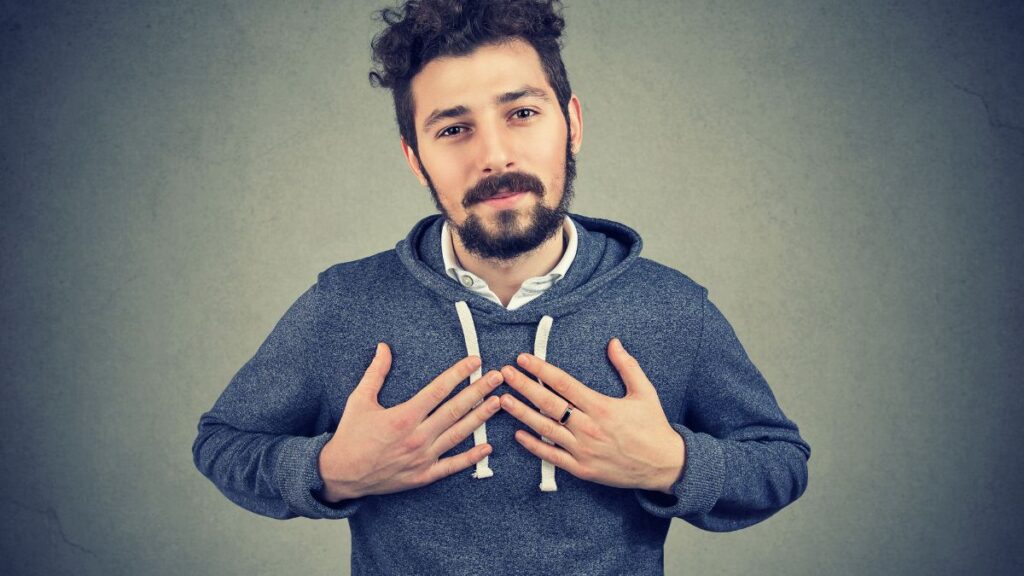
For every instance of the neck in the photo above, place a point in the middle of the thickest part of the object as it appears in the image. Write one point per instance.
(504, 277)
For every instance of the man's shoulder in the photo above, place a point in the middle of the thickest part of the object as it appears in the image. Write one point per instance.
(369, 271)
(666, 280)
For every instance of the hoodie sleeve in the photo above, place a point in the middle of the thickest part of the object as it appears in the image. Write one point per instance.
(744, 460)
(259, 444)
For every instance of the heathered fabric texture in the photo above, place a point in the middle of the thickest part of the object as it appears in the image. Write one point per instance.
(745, 460)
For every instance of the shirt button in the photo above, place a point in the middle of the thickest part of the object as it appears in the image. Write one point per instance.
(467, 281)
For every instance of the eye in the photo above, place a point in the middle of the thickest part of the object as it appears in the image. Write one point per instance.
(524, 113)
(451, 131)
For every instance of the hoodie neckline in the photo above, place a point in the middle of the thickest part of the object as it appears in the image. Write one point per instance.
(605, 250)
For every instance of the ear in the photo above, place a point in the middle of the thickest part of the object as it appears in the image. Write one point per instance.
(575, 124)
(414, 162)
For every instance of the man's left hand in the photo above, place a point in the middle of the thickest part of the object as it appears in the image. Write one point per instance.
(624, 442)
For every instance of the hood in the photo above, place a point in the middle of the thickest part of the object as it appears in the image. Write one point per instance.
(605, 250)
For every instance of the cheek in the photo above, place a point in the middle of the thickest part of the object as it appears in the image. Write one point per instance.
(554, 145)
(448, 172)
(550, 155)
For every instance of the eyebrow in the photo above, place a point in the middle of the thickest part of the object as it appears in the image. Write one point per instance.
(521, 93)
(460, 110)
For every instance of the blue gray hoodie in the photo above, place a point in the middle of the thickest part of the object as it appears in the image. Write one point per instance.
(745, 460)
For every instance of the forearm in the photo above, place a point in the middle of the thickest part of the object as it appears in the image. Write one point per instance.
(273, 475)
(728, 484)
(745, 460)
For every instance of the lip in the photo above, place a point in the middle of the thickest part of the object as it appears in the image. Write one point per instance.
(506, 201)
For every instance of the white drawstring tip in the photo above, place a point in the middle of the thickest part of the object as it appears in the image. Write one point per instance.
(482, 470)
(547, 473)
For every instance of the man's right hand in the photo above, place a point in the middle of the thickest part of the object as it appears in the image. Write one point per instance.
(378, 450)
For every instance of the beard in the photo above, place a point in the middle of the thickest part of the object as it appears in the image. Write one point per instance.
(510, 240)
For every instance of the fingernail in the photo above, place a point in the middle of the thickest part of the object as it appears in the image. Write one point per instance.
(524, 358)
(474, 361)
(379, 346)
(496, 378)
(618, 343)
(493, 404)
(487, 450)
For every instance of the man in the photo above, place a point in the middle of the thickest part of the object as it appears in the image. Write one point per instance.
(616, 395)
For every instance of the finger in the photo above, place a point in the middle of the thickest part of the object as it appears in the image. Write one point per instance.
(560, 381)
(376, 372)
(454, 436)
(541, 424)
(453, 411)
(553, 454)
(439, 388)
(550, 404)
(448, 466)
(637, 383)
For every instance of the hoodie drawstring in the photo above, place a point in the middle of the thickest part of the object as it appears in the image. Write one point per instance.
(483, 470)
(540, 350)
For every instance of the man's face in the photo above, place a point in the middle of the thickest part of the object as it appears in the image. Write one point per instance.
(494, 148)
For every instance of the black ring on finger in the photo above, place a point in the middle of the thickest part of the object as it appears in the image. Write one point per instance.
(566, 414)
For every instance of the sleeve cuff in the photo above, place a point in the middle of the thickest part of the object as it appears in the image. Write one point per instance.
(700, 484)
(298, 468)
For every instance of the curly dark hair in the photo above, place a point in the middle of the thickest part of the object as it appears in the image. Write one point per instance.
(422, 30)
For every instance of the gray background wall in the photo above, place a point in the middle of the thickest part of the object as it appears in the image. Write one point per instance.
(844, 177)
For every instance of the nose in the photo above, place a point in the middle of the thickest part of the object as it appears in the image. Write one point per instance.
(496, 154)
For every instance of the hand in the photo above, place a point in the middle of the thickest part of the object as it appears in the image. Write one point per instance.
(624, 442)
(378, 450)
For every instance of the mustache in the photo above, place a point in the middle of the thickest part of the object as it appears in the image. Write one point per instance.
(502, 183)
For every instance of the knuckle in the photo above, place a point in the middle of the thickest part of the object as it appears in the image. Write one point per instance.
(412, 463)
(589, 429)
(451, 466)
(482, 413)
(549, 429)
(584, 473)
(465, 367)
(437, 393)
(421, 478)
(451, 439)
(413, 443)
(452, 412)
(482, 386)
(584, 453)
(471, 399)
(510, 405)
(401, 421)
(398, 424)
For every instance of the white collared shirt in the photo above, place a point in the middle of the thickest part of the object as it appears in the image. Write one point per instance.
(531, 288)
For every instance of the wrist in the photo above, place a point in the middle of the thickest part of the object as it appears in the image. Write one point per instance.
(332, 495)
(674, 468)
(335, 488)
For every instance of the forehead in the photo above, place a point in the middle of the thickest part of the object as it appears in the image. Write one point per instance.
(474, 79)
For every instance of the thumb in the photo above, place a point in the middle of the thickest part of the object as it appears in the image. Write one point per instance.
(629, 369)
(373, 378)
